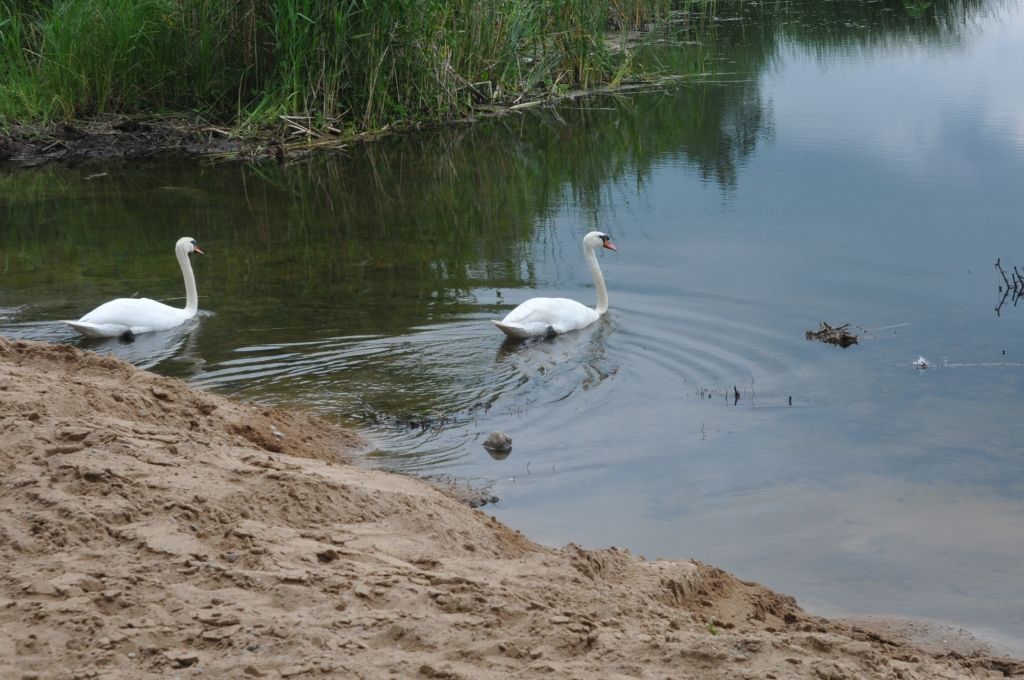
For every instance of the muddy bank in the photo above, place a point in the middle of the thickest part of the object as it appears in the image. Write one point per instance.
(142, 139)
(151, 530)
(119, 138)
(114, 138)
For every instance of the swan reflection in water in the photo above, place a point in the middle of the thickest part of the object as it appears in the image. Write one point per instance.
(147, 350)
(559, 361)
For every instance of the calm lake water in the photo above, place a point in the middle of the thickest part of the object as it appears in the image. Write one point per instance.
(841, 162)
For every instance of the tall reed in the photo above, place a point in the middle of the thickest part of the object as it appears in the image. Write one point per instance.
(361, 62)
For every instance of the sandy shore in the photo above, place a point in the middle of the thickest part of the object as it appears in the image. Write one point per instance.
(151, 530)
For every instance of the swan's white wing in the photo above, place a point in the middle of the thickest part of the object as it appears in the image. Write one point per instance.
(546, 316)
(139, 315)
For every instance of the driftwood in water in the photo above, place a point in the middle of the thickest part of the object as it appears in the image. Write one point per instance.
(834, 336)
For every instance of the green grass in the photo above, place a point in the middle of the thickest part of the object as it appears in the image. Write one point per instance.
(360, 63)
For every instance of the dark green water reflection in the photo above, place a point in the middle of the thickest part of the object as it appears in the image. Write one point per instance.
(848, 162)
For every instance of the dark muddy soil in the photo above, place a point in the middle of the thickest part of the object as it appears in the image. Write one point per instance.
(121, 138)
(169, 137)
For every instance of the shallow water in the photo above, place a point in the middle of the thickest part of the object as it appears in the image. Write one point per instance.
(840, 163)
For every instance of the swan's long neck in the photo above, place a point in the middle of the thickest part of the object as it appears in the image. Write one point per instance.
(595, 270)
(191, 296)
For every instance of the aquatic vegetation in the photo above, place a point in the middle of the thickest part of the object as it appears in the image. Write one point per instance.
(351, 63)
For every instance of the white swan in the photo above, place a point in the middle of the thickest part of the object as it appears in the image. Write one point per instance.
(127, 317)
(552, 316)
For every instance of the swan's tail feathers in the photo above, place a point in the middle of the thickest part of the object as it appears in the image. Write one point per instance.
(522, 331)
(97, 330)
(511, 330)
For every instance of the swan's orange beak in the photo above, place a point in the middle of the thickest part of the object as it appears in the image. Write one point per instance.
(195, 249)
(609, 245)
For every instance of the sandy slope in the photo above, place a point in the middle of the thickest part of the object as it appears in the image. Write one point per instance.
(150, 530)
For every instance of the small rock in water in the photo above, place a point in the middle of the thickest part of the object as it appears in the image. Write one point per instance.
(921, 363)
(498, 441)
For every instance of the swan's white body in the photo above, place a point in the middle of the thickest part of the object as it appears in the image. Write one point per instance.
(553, 316)
(132, 316)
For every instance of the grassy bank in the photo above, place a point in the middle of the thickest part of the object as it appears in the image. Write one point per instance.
(354, 64)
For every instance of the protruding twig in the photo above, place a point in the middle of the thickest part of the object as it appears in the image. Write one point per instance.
(999, 307)
(1002, 273)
